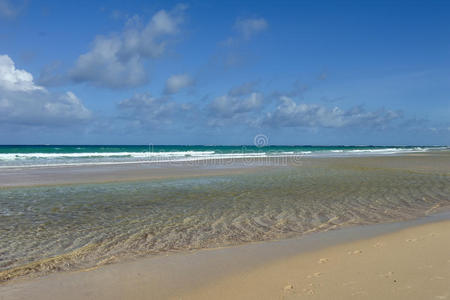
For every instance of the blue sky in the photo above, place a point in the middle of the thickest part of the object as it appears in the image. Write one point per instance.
(210, 72)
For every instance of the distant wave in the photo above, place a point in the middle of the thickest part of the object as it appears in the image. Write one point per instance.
(98, 157)
(382, 151)
(22, 156)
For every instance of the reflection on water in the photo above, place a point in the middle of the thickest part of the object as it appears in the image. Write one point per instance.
(45, 229)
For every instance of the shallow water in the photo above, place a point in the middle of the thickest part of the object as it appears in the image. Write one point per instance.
(45, 229)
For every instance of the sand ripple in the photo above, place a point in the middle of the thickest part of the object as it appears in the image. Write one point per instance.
(46, 229)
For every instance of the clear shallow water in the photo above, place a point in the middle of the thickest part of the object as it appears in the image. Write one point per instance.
(80, 154)
(46, 229)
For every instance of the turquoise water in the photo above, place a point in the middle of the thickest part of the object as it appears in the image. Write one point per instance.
(82, 154)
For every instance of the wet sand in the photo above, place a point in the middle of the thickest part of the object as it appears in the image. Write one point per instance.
(408, 260)
(433, 161)
(106, 173)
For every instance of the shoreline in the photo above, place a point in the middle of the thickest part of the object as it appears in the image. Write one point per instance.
(12, 177)
(251, 271)
(210, 154)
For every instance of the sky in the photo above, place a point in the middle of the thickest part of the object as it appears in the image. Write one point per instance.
(222, 72)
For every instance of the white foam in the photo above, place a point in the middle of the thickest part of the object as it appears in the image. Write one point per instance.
(23, 156)
(13, 160)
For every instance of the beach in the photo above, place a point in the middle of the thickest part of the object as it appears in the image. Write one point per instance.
(410, 264)
(224, 150)
(259, 227)
(407, 260)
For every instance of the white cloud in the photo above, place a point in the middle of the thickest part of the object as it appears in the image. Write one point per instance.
(177, 82)
(229, 107)
(251, 26)
(67, 105)
(117, 61)
(23, 102)
(39, 108)
(144, 109)
(12, 79)
(291, 114)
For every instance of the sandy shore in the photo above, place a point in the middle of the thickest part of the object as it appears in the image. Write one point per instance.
(410, 264)
(367, 262)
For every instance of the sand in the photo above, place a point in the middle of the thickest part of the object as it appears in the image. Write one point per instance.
(410, 263)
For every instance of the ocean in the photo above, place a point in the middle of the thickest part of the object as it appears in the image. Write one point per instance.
(37, 155)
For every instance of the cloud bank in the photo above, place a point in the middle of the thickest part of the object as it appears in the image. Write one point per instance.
(25, 103)
(290, 114)
(175, 83)
(145, 110)
(15, 80)
(118, 60)
(229, 107)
